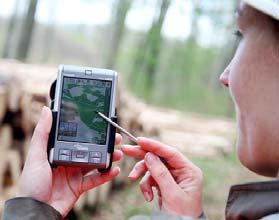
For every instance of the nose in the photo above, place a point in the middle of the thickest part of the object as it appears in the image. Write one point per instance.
(224, 78)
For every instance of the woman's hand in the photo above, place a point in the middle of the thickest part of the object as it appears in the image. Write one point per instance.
(62, 186)
(178, 180)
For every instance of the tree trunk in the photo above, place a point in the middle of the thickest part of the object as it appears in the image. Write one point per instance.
(118, 28)
(9, 36)
(26, 31)
(148, 56)
(49, 32)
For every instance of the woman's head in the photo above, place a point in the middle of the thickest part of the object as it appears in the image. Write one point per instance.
(253, 80)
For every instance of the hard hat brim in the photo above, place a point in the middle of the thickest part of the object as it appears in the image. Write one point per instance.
(269, 7)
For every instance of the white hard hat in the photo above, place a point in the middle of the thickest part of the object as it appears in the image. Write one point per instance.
(269, 7)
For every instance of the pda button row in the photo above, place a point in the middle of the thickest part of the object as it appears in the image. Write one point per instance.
(95, 154)
(80, 156)
(64, 158)
(65, 152)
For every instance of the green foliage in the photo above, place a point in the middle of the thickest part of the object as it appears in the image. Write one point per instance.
(134, 211)
(147, 58)
(170, 73)
(186, 79)
(215, 171)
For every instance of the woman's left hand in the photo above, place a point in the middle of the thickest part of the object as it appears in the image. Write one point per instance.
(62, 186)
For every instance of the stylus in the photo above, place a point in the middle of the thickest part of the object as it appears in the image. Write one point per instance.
(132, 137)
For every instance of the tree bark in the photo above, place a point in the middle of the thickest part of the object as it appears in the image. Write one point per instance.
(26, 31)
(118, 28)
(49, 31)
(148, 56)
(11, 27)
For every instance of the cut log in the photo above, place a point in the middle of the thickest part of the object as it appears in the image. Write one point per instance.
(92, 198)
(3, 102)
(9, 159)
(81, 203)
(5, 143)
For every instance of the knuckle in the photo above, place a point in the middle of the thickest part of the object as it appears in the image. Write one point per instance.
(162, 173)
(176, 154)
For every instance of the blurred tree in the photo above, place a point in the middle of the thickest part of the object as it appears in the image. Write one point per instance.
(26, 31)
(10, 31)
(147, 58)
(196, 13)
(118, 28)
(49, 31)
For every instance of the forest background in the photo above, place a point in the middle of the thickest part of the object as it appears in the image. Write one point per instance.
(169, 53)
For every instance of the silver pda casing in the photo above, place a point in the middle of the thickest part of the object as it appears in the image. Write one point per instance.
(71, 143)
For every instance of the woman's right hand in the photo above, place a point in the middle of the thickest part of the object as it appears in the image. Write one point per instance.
(177, 179)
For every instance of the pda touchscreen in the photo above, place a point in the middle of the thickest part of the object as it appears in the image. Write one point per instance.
(80, 99)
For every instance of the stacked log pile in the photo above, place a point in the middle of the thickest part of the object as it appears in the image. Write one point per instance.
(24, 90)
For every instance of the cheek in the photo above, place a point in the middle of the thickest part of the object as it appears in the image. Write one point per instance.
(250, 83)
(240, 79)
(254, 87)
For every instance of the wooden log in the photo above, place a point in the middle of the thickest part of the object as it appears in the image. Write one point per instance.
(14, 165)
(14, 86)
(9, 159)
(5, 143)
(81, 203)
(26, 146)
(3, 102)
(104, 191)
(92, 198)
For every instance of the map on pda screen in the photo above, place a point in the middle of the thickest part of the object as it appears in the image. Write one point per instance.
(78, 120)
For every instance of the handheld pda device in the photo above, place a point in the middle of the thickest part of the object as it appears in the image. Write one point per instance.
(79, 136)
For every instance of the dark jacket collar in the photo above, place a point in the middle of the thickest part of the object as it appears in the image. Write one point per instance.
(253, 200)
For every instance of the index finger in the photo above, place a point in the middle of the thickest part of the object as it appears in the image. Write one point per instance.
(172, 156)
(133, 151)
(118, 139)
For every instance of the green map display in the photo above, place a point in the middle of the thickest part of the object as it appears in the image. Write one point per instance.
(78, 120)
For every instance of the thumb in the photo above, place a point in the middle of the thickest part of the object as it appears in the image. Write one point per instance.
(38, 147)
(161, 174)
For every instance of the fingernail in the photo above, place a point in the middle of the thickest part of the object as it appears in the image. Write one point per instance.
(124, 147)
(44, 110)
(150, 158)
(147, 196)
(132, 174)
